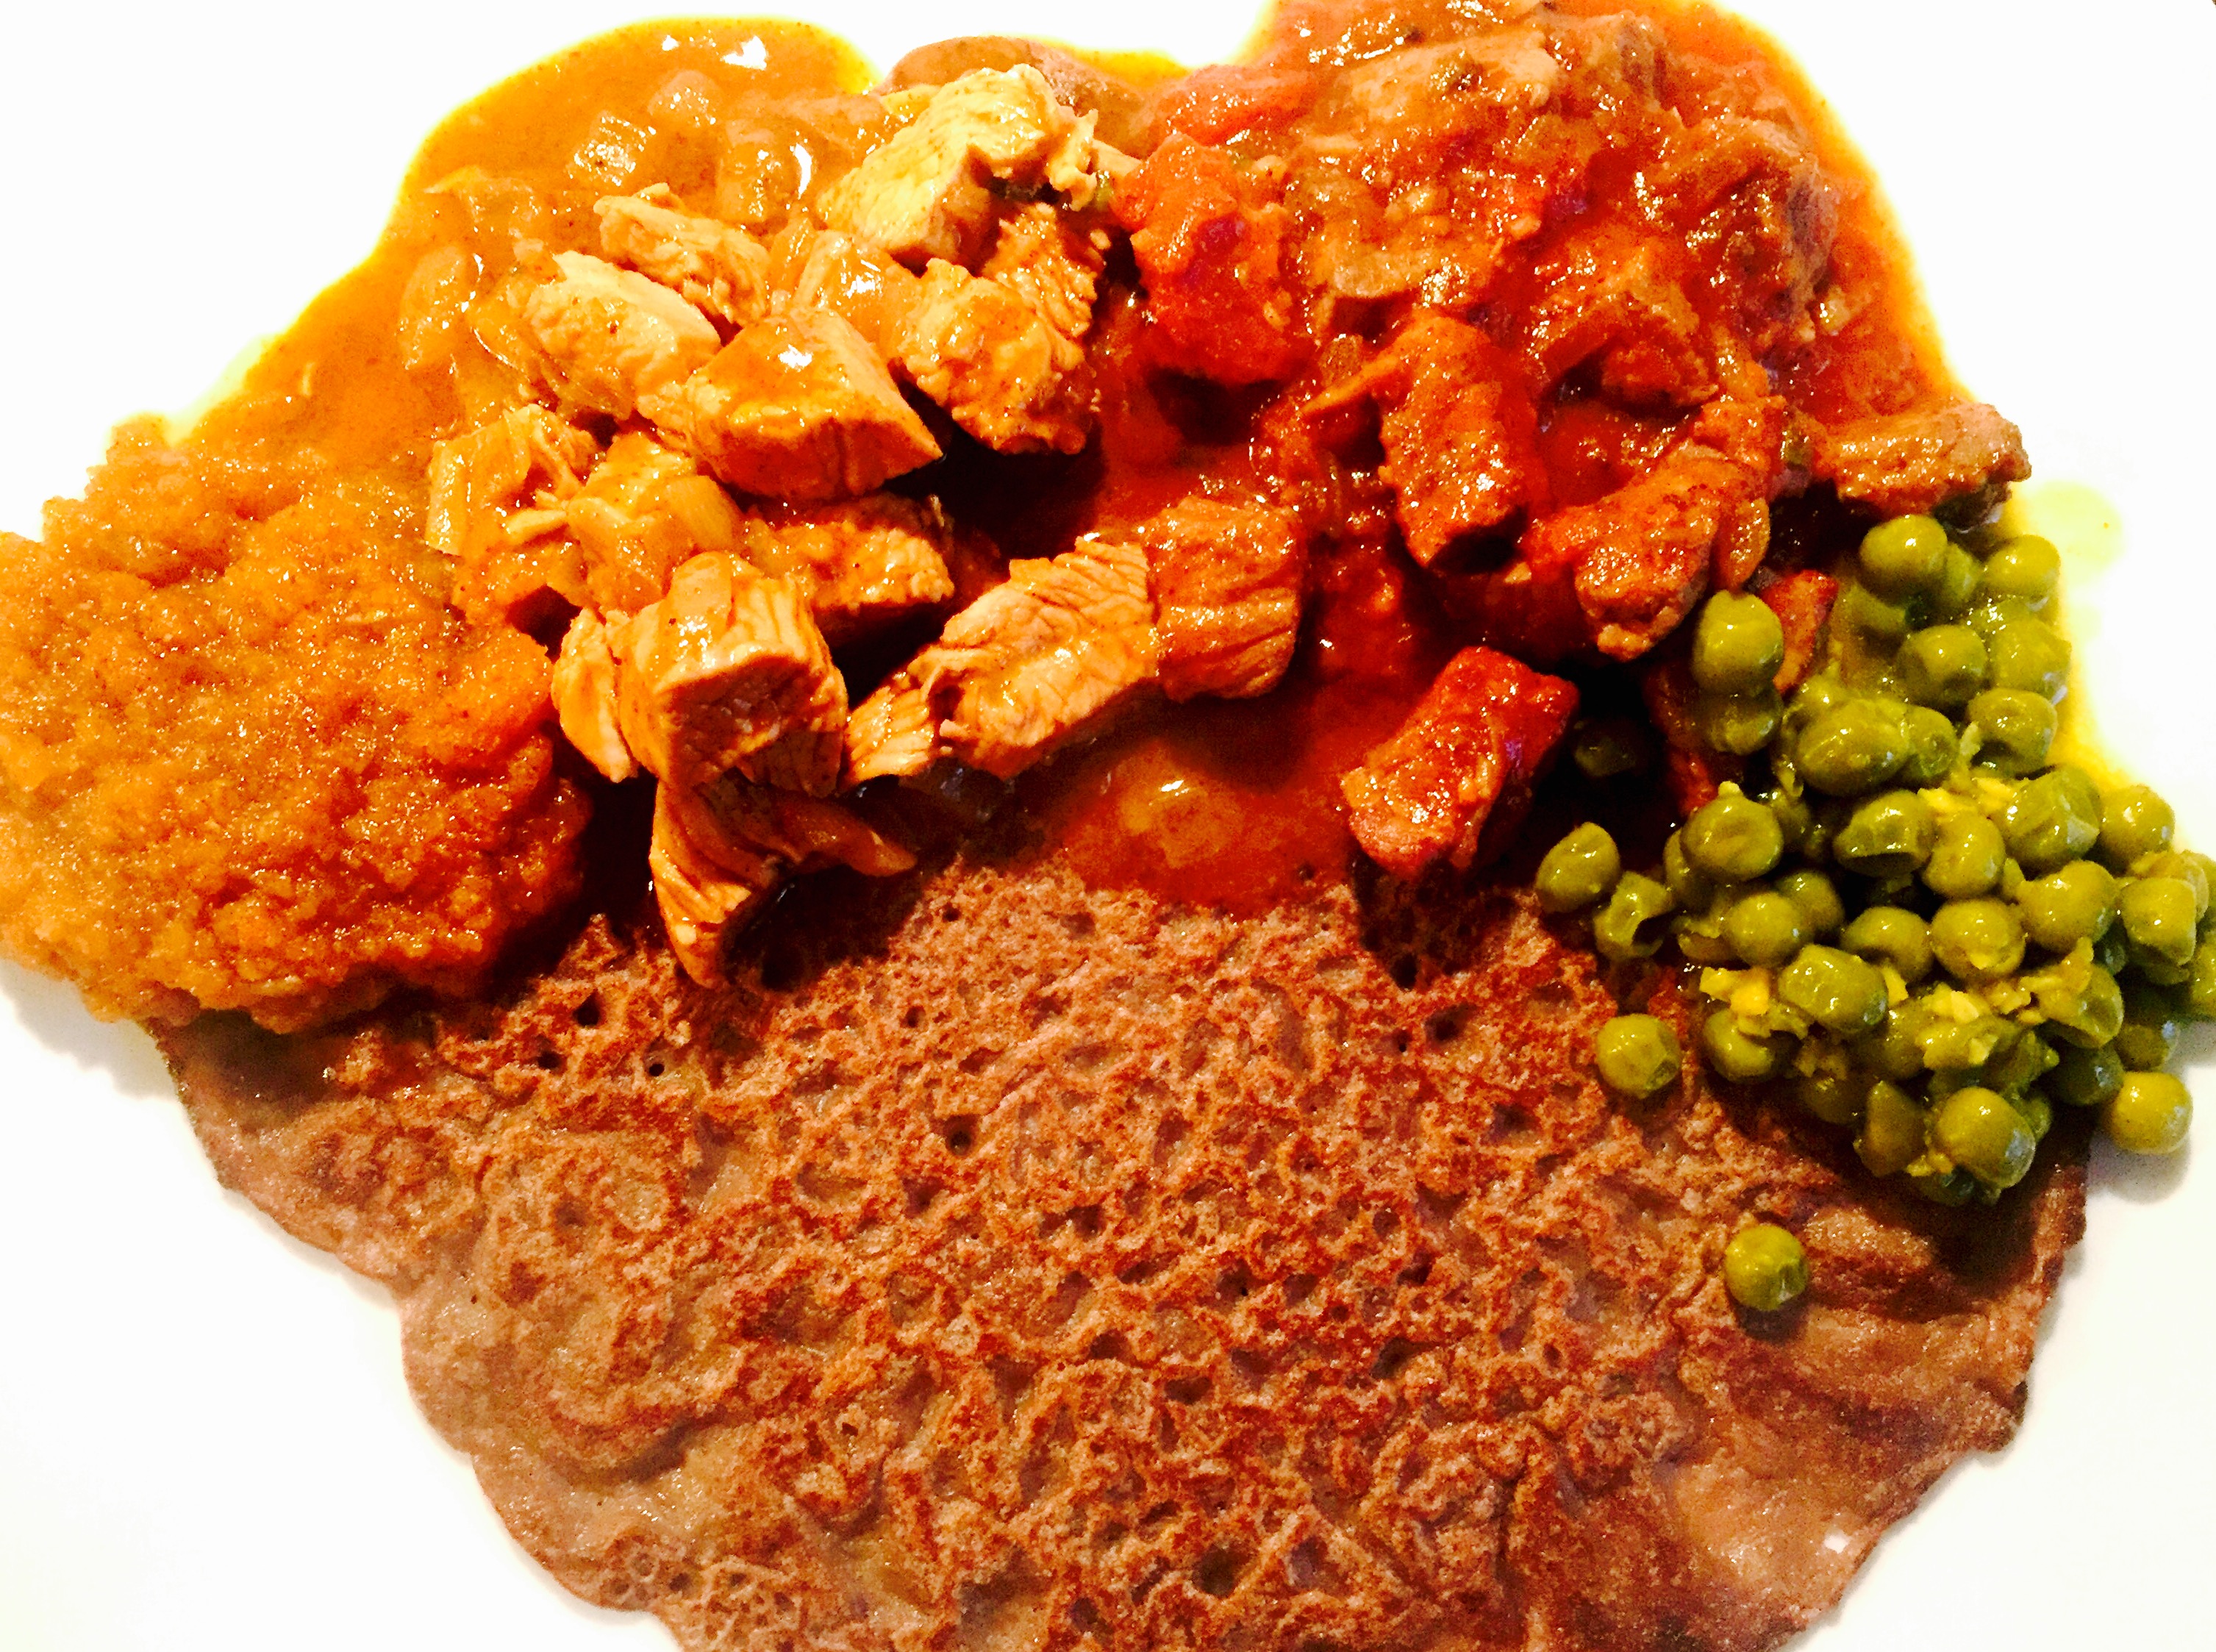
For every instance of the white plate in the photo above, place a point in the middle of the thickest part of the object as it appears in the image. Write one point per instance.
(204, 1438)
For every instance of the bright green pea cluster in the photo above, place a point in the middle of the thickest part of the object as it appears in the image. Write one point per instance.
(1909, 911)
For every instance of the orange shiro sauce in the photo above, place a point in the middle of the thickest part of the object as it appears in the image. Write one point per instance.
(253, 760)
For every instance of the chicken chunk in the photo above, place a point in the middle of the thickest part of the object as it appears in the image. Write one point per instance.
(992, 362)
(612, 338)
(1609, 299)
(1046, 658)
(1228, 582)
(584, 693)
(726, 672)
(1914, 462)
(1028, 667)
(1454, 779)
(873, 292)
(862, 564)
(1050, 265)
(1458, 429)
(526, 455)
(893, 732)
(798, 406)
(1802, 603)
(926, 193)
(712, 266)
(644, 511)
(720, 850)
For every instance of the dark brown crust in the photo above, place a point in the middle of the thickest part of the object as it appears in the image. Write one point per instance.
(1029, 1265)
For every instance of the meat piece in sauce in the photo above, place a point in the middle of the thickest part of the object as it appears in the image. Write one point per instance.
(1619, 574)
(1915, 461)
(1227, 582)
(1457, 429)
(720, 850)
(1454, 779)
(1210, 240)
(1006, 375)
(644, 511)
(721, 270)
(584, 688)
(1609, 299)
(1750, 200)
(863, 563)
(525, 455)
(859, 283)
(1053, 267)
(1692, 769)
(729, 671)
(798, 406)
(1802, 603)
(1020, 671)
(927, 191)
(611, 337)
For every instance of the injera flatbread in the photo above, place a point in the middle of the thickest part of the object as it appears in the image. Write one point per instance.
(1004, 1263)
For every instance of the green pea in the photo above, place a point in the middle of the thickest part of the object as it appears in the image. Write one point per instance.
(1765, 929)
(1961, 1048)
(2134, 823)
(1700, 937)
(1764, 1268)
(1851, 748)
(1690, 887)
(1863, 611)
(1895, 1049)
(1731, 838)
(1838, 990)
(1890, 934)
(1741, 725)
(1817, 695)
(1943, 666)
(2078, 902)
(1610, 746)
(1631, 924)
(1991, 614)
(1983, 1134)
(1738, 644)
(1887, 836)
(2016, 730)
(1835, 1098)
(2151, 1113)
(1892, 1135)
(1903, 557)
(1579, 871)
(2045, 825)
(2092, 1015)
(1638, 1056)
(2020, 1061)
(2037, 1113)
(2026, 568)
(2078, 789)
(1966, 857)
(1817, 897)
(1977, 940)
(2032, 655)
(2086, 1078)
(1934, 748)
(1951, 1188)
(2200, 981)
(2158, 917)
(2184, 865)
(1741, 1056)
(2148, 1037)
(2112, 953)
(1960, 581)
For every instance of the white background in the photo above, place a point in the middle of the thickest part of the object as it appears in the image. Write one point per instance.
(204, 1438)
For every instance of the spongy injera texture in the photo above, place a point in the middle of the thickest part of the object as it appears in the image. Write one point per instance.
(1008, 1265)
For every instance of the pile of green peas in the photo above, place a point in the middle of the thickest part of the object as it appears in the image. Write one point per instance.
(1911, 914)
